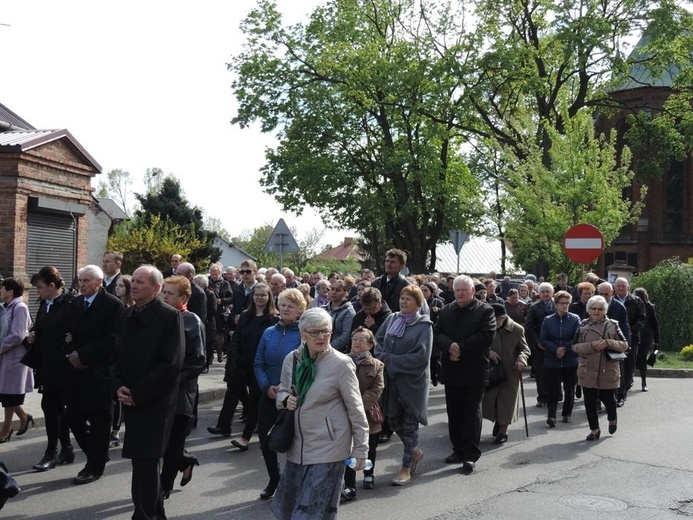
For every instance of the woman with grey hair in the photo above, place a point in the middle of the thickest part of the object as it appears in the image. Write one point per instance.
(322, 295)
(330, 423)
(598, 374)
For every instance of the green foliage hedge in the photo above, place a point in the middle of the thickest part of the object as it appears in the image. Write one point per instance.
(669, 286)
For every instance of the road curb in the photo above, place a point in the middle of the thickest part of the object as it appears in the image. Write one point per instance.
(670, 372)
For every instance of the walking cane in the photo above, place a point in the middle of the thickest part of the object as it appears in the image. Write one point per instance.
(524, 406)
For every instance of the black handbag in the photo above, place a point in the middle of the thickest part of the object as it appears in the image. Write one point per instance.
(614, 356)
(653, 357)
(496, 375)
(281, 435)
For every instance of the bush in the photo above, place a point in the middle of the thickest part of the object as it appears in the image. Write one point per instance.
(687, 353)
(669, 285)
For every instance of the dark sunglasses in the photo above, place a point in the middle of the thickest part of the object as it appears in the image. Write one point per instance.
(245, 271)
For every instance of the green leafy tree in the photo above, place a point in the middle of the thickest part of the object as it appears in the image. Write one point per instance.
(351, 266)
(152, 240)
(253, 241)
(675, 314)
(584, 184)
(169, 203)
(364, 118)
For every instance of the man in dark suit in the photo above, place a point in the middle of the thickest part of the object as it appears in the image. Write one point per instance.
(536, 314)
(197, 303)
(635, 308)
(112, 262)
(151, 346)
(175, 262)
(392, 282)
(463, 334)
(242, 294)
(93, 326)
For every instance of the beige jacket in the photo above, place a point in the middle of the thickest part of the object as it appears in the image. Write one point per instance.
(594, 370)
(331, 425)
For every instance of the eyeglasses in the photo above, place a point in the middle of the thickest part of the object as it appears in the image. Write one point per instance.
(598, 309)
(245, 271)
(318, 333)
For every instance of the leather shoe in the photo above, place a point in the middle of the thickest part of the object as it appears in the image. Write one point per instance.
(502, 438)
(85, 478)
(348, 494)
(468, 467)
(185, 480)
(496, 429)
(551, 422)
(454, 458)
(268, 492)
(384, 437)
(620, 403)
(403, 477)
(46, 463)
(214, 430)
(66, 456)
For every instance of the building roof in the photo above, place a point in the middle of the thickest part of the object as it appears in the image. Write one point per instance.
(111, 208)
(221, 241)
(18, 141)
(478, 256)
(347, 250)
(640, 74)
(16, 122)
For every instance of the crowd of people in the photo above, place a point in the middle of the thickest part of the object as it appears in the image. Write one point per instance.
(351, 357)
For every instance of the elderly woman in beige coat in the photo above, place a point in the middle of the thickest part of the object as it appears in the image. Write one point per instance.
(501, 403)
(599, 340)
(330, 423)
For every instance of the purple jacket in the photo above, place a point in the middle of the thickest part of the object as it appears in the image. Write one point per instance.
(15, 378)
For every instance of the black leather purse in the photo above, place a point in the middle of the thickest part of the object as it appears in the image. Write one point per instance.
(281, 435)
(496, 375)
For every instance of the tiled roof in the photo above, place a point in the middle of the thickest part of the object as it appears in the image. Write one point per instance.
(479, 256)
(345, 251)
(111, 208)
(13, 119)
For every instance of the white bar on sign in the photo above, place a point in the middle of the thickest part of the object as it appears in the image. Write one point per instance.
(583, 243)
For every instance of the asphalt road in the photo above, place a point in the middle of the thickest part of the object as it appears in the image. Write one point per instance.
(644, 471)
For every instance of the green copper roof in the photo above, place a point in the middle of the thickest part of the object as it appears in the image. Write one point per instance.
(640, 75)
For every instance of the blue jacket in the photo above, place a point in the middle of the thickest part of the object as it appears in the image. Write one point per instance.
(276, 343)
(559, 331)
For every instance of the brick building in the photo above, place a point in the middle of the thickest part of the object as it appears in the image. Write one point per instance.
(665, 228)
(45, 189)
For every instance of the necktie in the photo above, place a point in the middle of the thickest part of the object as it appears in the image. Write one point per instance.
(86, 304)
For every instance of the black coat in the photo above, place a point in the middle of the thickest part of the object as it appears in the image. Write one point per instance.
(94, 334)
(211, 322)
(637, 316)
(150, 352)
(244, 344)
(54, 370)
(473, 328)
(379, 317)
(197, 302)
(617, 311)
(536, 314)
(193, 363)
(392, 290)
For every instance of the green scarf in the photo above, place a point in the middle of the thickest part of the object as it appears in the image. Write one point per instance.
(305, 374)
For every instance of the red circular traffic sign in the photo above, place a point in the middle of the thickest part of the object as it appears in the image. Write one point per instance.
(583, 243)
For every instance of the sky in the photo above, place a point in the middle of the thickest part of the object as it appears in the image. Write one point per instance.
(144, 84)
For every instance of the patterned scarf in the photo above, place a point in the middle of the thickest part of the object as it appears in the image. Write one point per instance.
(400, 323)
(359, 357)
(305, 374)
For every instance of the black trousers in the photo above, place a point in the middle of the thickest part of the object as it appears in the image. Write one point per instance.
(538, 365)
(175, 457)
(592, 397)
(235, 391)
(463, 405)
(266, 416)
(57, 428)
(92, 430)
(350, 474)
(146, 490)
(553, 377)
(627, 371)
(117, 415)
(251, 408)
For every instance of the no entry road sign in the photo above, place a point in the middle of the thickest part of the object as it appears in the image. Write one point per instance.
(583, 243)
